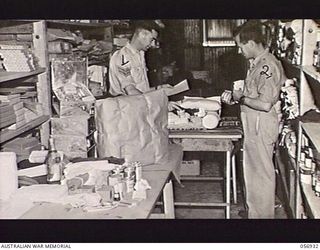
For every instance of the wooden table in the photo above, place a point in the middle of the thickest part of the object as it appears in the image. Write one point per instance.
(159, 178)
(160, 182)
(220, 139)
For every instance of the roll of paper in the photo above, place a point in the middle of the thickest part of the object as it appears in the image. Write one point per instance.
(9, 175)
(211, 120)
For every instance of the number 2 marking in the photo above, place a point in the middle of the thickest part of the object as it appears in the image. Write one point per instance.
(265, 72)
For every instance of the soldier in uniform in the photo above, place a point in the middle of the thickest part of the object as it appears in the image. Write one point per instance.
(128, 71)
(259, 117)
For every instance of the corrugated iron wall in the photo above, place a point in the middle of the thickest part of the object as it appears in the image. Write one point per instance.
(214, 59)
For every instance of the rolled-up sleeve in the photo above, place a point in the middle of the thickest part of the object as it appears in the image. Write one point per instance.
(120, 75)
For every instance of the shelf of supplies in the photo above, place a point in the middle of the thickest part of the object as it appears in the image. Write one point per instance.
(312, 202)
(8, 76)
(311, 71)
(79, 24)
(313, 132)
(6, 135)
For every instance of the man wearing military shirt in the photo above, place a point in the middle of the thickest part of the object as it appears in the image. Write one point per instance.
(128, 71)
(259, 117)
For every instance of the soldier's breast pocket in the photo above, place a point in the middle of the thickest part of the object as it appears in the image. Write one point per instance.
(137, 73)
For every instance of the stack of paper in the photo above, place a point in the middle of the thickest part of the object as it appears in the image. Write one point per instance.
(16, 58)
(18, 112)
(178, 88)
(7, 116)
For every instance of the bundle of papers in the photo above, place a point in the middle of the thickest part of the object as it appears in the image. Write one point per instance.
(16, 58)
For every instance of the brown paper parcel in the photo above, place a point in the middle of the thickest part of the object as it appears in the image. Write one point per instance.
(134, 127)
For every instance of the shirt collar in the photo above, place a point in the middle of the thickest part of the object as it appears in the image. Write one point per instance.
(258, 58)
(129, 46)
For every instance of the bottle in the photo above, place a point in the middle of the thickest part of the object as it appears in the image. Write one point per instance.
(316, 57)
(313, 175)
(53, 162)
(317, 180)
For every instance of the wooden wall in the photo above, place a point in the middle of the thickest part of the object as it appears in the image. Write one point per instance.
(224, 63)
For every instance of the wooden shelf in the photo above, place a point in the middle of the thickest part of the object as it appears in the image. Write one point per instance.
(8, 76)
(312, 202)
(9, 134)
(313, 132)
(78, 24)
(311, 71)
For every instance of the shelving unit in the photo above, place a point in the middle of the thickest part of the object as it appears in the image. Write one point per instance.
(79, 24)
(307, 203)
(10, 134)
(36, 30)
(312, 202)
(311, 71)
(8, 76)
(73, 145)
(312, 130)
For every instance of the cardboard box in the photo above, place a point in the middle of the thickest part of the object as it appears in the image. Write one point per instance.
(190, 168)
(71, 145)
(69, 84)
(75, 125)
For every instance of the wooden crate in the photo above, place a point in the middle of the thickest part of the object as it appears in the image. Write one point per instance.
(70, 86)
(74, 125)
(71, 145)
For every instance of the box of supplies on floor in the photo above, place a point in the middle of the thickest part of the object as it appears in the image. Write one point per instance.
(190, 167)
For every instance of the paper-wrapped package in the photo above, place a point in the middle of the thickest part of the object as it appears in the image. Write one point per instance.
(212, 104)
(133, 127)
(211, 120)
(9, 175)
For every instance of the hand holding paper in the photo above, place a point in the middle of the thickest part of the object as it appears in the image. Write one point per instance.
(238, 85)
(176, 89)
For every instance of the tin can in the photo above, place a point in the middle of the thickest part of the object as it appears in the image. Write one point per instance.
(130, 182)
(130, 172)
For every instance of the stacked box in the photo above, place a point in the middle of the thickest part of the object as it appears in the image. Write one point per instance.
(7, 116)
(16, 58)
(20, 116)
(70, 135)
(11, 112)
(69, 84)
(190, 168)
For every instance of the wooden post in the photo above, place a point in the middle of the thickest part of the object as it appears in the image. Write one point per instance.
(43, 86)
(168, 201)
(234, 179)
(228, 160)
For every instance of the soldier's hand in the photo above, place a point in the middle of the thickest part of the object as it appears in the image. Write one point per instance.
(226, 97)
(237, 94)
(173, 105)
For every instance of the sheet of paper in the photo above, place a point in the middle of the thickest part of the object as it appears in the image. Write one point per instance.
(178, 88)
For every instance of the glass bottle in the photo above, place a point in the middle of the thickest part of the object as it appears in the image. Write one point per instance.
(313, 174)
(317, 180)
(54, 164)
(316, 57)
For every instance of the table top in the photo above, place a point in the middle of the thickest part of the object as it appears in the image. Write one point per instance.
(156, 178)
(233, 133)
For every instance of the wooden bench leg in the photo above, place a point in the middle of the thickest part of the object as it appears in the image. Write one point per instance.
(228, 164)
(168, 201)
(234, 179)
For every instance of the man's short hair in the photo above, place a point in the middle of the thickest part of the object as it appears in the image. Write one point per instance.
(145, 24)
(251, 30)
